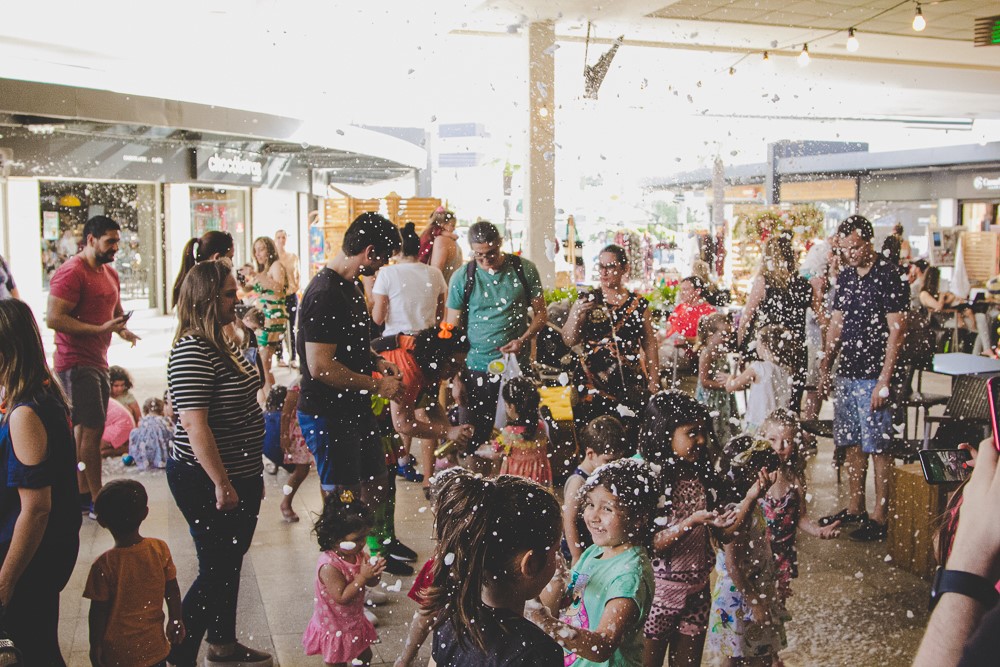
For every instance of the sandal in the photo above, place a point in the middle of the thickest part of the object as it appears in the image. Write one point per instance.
(844, 517)
(289, 516)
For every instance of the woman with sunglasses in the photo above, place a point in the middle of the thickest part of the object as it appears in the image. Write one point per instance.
(620, 365)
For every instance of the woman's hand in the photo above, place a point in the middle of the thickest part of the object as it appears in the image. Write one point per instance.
(461, 434)
(226, 498)
(702, 517)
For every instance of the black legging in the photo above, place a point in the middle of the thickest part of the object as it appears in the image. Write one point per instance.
(32, 615)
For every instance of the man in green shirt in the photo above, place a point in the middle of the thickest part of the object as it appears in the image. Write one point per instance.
(495, 313)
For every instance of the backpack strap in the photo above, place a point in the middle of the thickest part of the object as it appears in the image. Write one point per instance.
(470, 282)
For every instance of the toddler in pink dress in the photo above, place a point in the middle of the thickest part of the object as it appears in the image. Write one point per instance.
(338, 629)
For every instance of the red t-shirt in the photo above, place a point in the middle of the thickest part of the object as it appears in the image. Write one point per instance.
(684, 319)
(94, 295)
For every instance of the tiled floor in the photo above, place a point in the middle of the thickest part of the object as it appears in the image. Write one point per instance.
(850, 606)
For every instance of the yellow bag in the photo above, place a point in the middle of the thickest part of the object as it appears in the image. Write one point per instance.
(559, 401)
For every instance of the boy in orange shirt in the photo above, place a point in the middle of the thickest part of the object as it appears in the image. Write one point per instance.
(127, 584)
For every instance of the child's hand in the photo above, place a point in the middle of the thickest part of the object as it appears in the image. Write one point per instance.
(371, 570)
(765, 480)
(760, 612)
(176, 631)
(724, 520)
(702, 517)
(536, 612)
(829, 532)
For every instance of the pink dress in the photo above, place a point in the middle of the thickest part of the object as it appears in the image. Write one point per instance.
(523, 457)
(338, 632)
(298, 453)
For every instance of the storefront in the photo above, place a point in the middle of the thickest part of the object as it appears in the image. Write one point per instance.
(979, 199)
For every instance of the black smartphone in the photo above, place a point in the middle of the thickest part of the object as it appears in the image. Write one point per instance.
(945, 466)
(128, 315)
(993, 394)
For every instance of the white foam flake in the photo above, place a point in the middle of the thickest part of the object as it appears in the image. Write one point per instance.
(347, 545)
(449, 558)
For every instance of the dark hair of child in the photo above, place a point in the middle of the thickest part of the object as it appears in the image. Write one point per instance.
(121, 505)
(744, 456)
(666, 412)
(606, 436)
(433, 353)
(522, 394)
(637, 489)
(276, 398)
(781, 344)
(483, 526)
(255, 316)
(119, 374)
(340, 519)
(411, 242)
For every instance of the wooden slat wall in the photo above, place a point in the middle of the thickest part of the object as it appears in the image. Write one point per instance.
(982, 255)
(339, 212)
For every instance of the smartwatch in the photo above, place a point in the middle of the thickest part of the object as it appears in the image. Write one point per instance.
(963, 583)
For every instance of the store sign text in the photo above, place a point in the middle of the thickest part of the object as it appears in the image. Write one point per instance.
(237, 166)
(983, 183)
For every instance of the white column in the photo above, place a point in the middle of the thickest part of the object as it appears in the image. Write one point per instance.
(177, 231)
(25, 252)
(947, 212)
(540, 174)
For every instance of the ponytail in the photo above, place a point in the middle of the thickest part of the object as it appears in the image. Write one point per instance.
(483, 526)
(187, 263)
(199, 249)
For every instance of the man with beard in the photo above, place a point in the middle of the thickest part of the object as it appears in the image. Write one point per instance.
(84, 309)
(334, 346)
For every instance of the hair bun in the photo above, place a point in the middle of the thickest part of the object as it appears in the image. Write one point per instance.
(410, 227)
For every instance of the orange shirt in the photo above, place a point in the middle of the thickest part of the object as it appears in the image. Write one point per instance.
(132, 580)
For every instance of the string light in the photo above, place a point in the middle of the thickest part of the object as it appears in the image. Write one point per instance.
(852, 41)
(732, 71)
(804, 56)
(767, 58)
(919, 22)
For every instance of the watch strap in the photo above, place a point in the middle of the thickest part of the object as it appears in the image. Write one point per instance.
(963, 583)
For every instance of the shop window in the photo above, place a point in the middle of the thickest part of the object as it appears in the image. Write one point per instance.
(223, 210)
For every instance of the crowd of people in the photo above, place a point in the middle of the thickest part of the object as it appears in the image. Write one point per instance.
(415, 356)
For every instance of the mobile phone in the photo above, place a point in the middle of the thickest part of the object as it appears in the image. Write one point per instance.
(128, 315)
(993, 395)
(944, 466)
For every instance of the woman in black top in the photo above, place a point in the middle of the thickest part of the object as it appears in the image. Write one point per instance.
(620, 365)
(215, 466)
(39, 506)
(778, 295)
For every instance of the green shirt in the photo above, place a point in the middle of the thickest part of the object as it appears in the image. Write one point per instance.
(597, 581)
(498, 308)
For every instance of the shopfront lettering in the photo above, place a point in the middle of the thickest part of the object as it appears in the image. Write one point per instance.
(144, 159)
(984, 183)
(237, 166)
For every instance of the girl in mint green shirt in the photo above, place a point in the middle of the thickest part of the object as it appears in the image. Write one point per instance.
(603, 605)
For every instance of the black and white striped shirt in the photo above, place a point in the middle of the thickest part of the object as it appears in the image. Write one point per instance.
(199, 378)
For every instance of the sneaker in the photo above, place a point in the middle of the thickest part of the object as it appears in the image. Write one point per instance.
(91, 514)
(400, 551)
(243, 656)
(397, 567)
(844, 517)
(409, 473)
(372, 618)
(374, 597)
(870, 531)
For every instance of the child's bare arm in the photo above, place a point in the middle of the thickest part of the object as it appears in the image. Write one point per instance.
(343, 591)
(551, 596)
(599, 645)
(664, 539)
(175, 614)
(570, 512)
(741, 381)
(705, 376)
(98, 620)
(420, 627)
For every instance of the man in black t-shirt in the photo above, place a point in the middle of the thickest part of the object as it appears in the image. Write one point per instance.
(334, 344)
(867, 329)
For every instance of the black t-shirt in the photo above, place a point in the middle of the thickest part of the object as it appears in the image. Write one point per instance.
(865, 301)
(511, 641)
(333, 311)
(982, 647)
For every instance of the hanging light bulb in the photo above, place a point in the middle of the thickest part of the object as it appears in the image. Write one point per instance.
(852, 41)
(767, 58)
(732, 71)
(919, 22)
(804, 56)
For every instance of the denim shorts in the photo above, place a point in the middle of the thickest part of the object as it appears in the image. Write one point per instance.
(346, 452)
(854, 422)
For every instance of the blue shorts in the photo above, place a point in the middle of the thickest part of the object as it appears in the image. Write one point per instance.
(347, 453)
(854, 422)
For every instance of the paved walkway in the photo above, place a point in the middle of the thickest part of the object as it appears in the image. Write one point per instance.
(850, 606)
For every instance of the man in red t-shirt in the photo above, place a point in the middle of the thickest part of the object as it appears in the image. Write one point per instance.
(84, 310)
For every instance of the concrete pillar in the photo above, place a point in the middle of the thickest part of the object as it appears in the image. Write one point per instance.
(540, 174)
(25, 249)
(718, 196)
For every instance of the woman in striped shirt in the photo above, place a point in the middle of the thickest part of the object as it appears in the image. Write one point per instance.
(215, 465)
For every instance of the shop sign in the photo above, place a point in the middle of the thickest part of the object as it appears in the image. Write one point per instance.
(222, 166)
(984, 183)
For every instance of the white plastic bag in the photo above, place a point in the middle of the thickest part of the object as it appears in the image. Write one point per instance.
(511, 370)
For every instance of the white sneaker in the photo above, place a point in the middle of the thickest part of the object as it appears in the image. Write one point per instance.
(375, 597)
(372, 618)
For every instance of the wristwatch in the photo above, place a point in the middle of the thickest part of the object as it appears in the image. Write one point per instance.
(963, 583)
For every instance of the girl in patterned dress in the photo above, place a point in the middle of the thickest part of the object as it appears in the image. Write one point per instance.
(522, 442)
(674, 438)
(270, 287)
(784, 504)
(747, 623)
(714, 333)
(338, 629)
